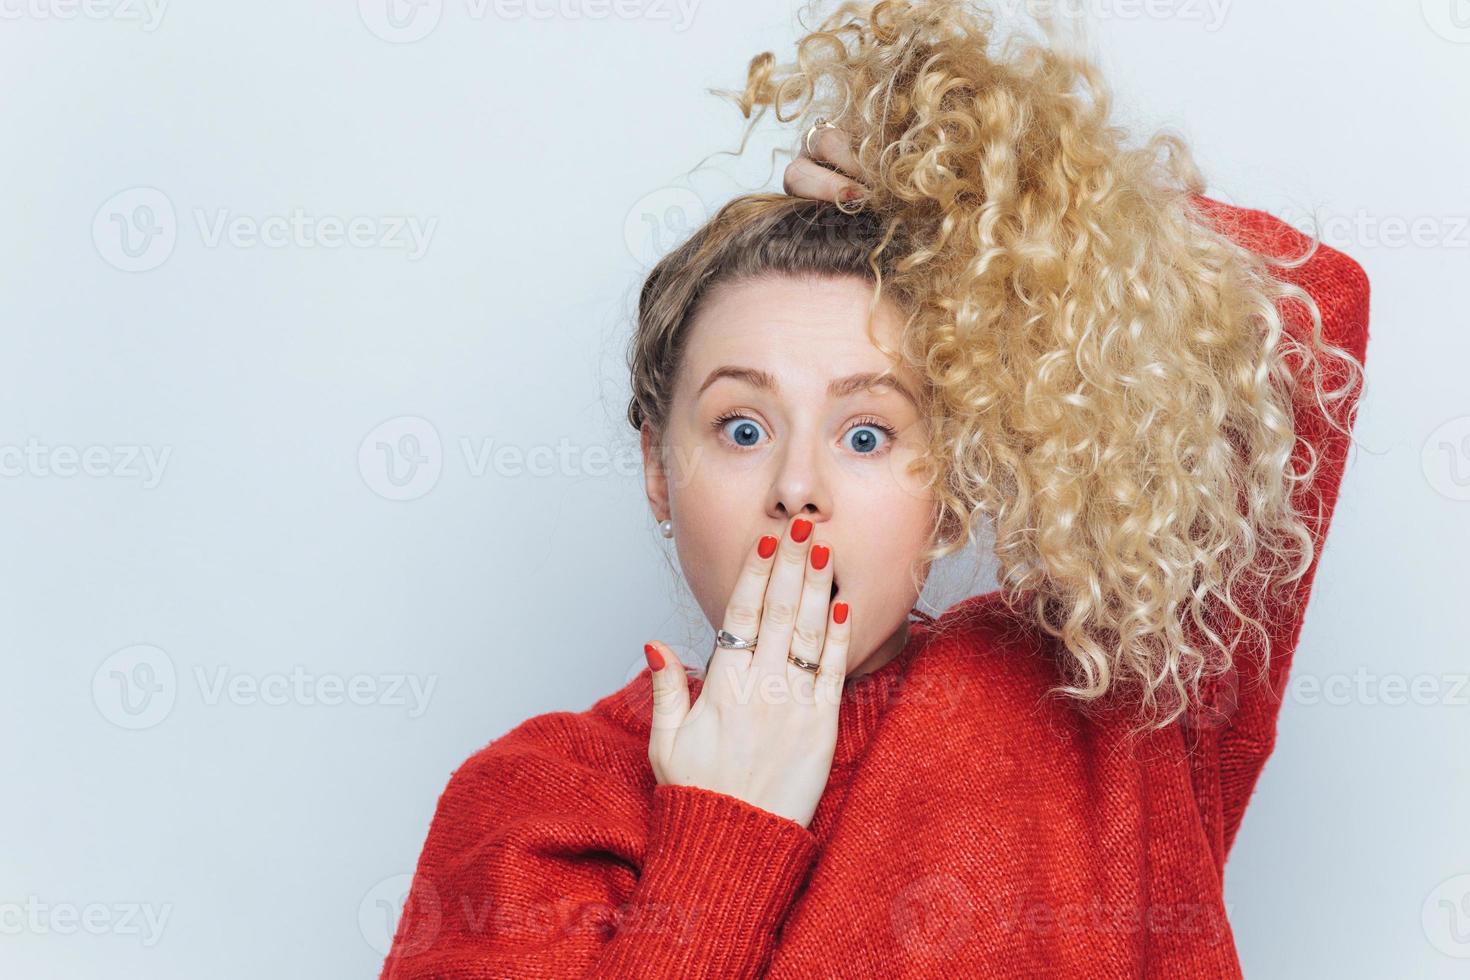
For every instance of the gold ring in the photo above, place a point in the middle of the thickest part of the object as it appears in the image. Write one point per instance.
(821, 123)
(803, 664)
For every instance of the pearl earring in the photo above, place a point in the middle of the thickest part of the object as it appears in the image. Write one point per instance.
(667, 527)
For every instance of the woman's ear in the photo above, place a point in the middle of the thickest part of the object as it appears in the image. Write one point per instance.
(655, 475)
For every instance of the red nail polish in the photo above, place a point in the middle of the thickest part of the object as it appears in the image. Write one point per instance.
(654, 658)
(801, 530)
(820, 554)
(839, 613)
(767, 546)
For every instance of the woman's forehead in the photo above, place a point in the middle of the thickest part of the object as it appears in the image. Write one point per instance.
(788, 332)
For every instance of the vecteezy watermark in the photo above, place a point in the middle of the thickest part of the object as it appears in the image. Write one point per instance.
(661, 219)
(1364, 687)
(1446, 459)
(301, 230)
(938, 913)
(1211, 13)
(380, 909)
(38, 918)
(401, 21)
(136, 230)
(38, 460)
(406, 21)
(1366, 229)
(1446, 917)
(484, 457)
(137, 687)
(309, 690)
(933, 915)
(404, 457)
(529, 924)
(1450, 19)
(148, 12)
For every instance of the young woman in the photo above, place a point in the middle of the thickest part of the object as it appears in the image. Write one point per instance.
(974, 303)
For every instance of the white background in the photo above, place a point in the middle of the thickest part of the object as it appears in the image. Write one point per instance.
(537, 155)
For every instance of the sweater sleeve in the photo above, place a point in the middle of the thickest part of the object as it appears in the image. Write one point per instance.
(537, 864)
(1339, 286)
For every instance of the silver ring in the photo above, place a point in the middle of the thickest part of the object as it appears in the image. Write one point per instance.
(729, 641)
(803, 664)
(821, 123)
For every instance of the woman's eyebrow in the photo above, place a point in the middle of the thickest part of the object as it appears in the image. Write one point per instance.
(839, 388)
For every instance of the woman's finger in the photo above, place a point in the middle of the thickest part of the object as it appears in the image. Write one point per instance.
(811, 618)
(832, 673)
(806, 178)
(670, 701)
(833, 145)
(783, 594)
(743, 613)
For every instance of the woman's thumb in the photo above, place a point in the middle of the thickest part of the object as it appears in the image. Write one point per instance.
(670, 696)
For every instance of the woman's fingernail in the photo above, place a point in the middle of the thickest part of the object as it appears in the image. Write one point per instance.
(767, 546)
(801, 530)
(654, 658)
(820, 554)
(851, 194)
(839, 613)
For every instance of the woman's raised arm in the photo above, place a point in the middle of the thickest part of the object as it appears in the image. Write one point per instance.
(1246, 711)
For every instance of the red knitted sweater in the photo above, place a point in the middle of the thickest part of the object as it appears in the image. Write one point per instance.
(971, 826)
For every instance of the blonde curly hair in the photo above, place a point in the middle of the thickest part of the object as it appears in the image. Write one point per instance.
(1109, 376)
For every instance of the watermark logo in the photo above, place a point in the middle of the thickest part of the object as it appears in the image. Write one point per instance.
(1446, 459)
(402, 458)
(381, 909)
(1450, 19)
(401, 21)
(135, 229)
(404, 914)
(1446, 917)
(660, 220)
(932, 914)
(136, 687)
(1218, 710)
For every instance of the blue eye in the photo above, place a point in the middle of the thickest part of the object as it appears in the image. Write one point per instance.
(746, 429)
(867, 442)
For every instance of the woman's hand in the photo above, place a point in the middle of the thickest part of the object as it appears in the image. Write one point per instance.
(763, 729)
(806, 176)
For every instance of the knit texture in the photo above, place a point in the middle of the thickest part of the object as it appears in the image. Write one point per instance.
(972, 825)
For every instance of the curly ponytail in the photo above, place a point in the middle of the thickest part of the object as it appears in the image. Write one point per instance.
(1111, 378)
